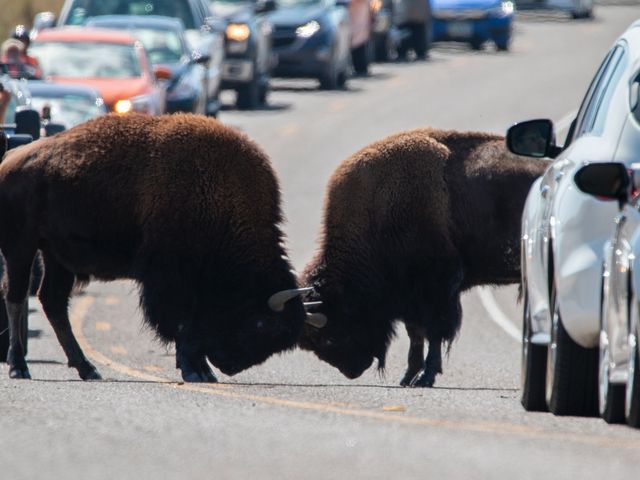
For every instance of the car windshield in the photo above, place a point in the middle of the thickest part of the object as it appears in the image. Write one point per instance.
(86, 59)
(81, 10)
(297, 3)
(162, 46)
(69, 110)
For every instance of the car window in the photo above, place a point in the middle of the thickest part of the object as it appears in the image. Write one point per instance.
(601, 95)
(87, 59)
(81, 10)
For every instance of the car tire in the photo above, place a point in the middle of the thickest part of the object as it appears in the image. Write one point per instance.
(632, 397)
(476, 44)
(4, 330)
(572, 371)
(503, 45)
(534, 366)
(382, 49)
(248, 95)
(360, 59)
(610, 395)
(420, 39)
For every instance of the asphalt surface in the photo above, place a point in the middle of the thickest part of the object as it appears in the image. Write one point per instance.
(295, 417)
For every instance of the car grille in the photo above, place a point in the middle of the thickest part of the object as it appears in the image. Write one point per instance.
(469, 14)
(283, 36)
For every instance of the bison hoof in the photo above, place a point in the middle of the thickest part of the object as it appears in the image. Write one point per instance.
(199, 377)
(19, 372)
(91, 375)
(407, 379)
(423, 380)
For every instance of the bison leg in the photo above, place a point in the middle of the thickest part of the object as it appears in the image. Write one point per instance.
(415, 358)
(18, 275)
(432, 365)
(192, 363)
(54, 295)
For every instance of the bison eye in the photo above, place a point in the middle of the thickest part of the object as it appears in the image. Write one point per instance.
(328, 343)
(260, 324)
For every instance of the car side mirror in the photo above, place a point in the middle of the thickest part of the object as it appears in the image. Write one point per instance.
(534, 138)
(44, 20)
(161, 72)
(264, 6)
(28, 122)
(608, 181)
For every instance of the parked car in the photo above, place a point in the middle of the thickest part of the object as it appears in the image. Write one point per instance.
(165, 43)
(619, 372)
(400, 26)
(66, 105)
(577, 8)
(563, 234)
(112, 62)
(474, 22)
(204, 33)
(312, 39)
(248, 49)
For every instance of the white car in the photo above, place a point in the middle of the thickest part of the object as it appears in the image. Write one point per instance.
(563, 234)
(619, 373)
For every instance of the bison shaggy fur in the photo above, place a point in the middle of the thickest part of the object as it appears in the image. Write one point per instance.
(410, 222)
(183, 205)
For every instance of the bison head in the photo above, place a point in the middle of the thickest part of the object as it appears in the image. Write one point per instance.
(339, 340)
(253, 334)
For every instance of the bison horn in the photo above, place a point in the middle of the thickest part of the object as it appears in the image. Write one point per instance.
(317, 320)
(312, 304)
(277, 300)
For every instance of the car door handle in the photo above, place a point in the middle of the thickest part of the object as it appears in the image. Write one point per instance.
(544, 190)
(558, 176)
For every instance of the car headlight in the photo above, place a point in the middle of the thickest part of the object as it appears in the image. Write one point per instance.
(504, 9)
(308, 29)
(123, 106)
(238, 32)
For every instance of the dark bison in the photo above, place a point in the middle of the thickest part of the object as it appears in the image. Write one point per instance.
(188, 208)
(410, 222)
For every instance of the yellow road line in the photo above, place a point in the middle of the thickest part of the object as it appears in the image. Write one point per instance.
(82, 305)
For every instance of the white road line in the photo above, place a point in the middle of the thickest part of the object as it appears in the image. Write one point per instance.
(496, 314)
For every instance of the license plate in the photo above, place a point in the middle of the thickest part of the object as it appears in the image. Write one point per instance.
(460, 29)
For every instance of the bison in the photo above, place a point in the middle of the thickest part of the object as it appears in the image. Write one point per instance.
(410, 222)
(183, 205)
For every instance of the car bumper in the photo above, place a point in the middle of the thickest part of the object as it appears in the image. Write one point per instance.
(467, 30)
(181, 105)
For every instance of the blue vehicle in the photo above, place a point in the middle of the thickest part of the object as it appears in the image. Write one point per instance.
(164, 40)
(312, 39)
(474, 22)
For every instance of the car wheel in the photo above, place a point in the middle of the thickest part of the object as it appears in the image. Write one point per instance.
(610, 395)
(382, 49)
(571, 384)
(503, 45)
(4, 330)
(476, 44)
(264, 92)
(632, 397)
(329, 79)
(360, 59)
(420, 34)
(534, 366)
(248, 95)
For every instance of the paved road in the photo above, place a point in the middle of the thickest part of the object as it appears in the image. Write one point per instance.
(295, 417)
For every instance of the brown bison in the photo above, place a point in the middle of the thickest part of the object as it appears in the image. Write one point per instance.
(186, 207)
(410, 222)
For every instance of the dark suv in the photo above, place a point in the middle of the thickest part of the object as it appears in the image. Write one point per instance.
(249, 58)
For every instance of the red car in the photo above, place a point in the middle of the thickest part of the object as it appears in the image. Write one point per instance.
(112, 62)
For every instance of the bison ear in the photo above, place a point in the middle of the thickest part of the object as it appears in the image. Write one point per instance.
(317, 320)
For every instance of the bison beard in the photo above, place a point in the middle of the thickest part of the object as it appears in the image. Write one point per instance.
(181, 204)
(410, 222)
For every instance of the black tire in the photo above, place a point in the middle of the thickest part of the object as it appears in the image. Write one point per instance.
(329, 79)
(248, 95)
(264, 92)
(360, 59)
(503, 46)
(476, 44)
(4, 330)
(632, 400)
(381, 51)
(610, 395)
(534, 367)
(420, 39)
(572, 372)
